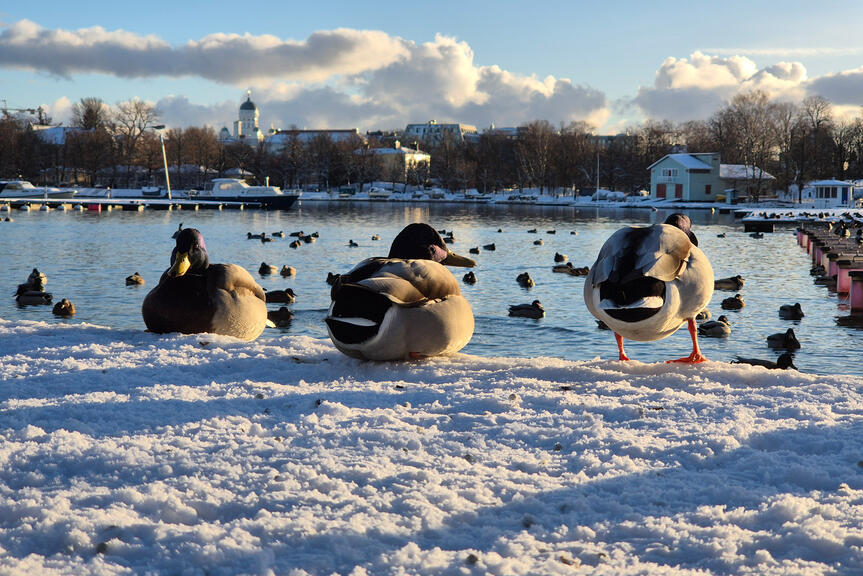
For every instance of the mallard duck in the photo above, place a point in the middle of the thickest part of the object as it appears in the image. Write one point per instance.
(784, 362)
(703, 315)
(731, 283)
(736, 302)
(376, 237)
(568, 268)
(538, 242)
(719, 328)
(195, 296)
(469, 278)
(281, 318)
(524, 280)
(64, 308)
(647, 281)
(474, 250)
(490, 247)
(532, 310)
(558, 257)
(352, 244)
(288, 271)
(279, 234)
(287, 295)
(33, 298)
(266, 269)
(791, 311)
(249, 236)
(787, 340)
(407, 305)
(135, 280)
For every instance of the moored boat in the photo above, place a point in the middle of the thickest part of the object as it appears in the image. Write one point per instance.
(25, 190)
(236, 190)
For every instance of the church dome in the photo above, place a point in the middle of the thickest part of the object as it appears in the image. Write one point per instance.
(248, 104)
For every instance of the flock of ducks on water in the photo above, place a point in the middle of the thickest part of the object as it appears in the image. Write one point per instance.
(646, 283)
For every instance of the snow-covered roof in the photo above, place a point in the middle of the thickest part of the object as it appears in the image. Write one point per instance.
(831, 183)
(742, 172)
(688, 161)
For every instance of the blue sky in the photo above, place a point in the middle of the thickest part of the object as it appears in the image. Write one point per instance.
(380, 65)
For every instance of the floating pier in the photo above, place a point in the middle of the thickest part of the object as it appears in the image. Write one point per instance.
(108, 204)
(836, 253)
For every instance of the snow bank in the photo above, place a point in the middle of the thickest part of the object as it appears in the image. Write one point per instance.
(125, 452)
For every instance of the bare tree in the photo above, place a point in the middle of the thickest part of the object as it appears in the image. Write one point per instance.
(131, 120)
(90, 114)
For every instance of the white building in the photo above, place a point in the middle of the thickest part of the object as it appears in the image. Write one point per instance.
(832, 193)
(245, 126)
(432, 132)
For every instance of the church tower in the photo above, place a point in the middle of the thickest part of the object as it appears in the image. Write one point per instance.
(246, 127)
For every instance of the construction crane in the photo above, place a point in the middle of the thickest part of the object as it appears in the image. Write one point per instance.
(6, 109)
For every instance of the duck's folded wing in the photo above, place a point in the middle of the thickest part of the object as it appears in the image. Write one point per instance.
(235, 279)
(397, 290)
(659, 252)
(663, 255)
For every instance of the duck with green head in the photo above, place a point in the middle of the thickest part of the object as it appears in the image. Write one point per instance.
(195, 296)
(407, 305)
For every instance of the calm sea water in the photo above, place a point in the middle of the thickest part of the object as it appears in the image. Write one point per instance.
(87, 256)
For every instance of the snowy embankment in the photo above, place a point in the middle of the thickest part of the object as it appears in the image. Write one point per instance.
(124, 452)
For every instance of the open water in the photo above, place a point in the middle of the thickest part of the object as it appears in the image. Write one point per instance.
(86, 257)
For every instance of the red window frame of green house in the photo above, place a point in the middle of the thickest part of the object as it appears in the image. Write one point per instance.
(660, 190)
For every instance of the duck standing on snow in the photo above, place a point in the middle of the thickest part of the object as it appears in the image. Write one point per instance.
(407, 305)
(784, 362)
(194, 296)
(647, 281)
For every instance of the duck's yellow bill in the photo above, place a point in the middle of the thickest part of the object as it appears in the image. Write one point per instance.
(181, 265)
(453, 259)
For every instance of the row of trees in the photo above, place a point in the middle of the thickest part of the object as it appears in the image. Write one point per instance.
(118, 147)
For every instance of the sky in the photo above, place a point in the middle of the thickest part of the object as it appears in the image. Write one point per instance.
(369, 66)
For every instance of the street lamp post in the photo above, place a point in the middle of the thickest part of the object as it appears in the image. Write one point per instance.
(159, 129)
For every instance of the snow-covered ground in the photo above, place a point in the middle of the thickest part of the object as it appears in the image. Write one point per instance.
(125, 452)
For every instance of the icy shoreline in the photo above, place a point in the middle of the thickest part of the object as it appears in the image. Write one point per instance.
(125, 452)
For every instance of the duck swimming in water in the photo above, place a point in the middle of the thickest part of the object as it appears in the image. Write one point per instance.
(532, 310)
(195, 296)
(407, 305)
(647, 281)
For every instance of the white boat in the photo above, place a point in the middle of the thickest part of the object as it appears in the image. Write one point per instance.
(25, 190)
(236, 190)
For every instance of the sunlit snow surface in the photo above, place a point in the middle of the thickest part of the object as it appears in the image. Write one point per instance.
(124, 452)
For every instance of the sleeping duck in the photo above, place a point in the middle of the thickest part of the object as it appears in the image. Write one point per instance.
(719, 328)
(407, 305)
(647, 281)
(787, 340)
(532, 310)
(196, 296)
(732, 283)
(791, 311)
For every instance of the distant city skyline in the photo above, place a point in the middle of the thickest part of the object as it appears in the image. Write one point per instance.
(355, 65)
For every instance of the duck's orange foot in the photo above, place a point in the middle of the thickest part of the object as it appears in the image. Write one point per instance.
(694, 358)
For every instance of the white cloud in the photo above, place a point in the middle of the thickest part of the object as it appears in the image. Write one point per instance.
(226, 58)
(343, 77)
(694, 88)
